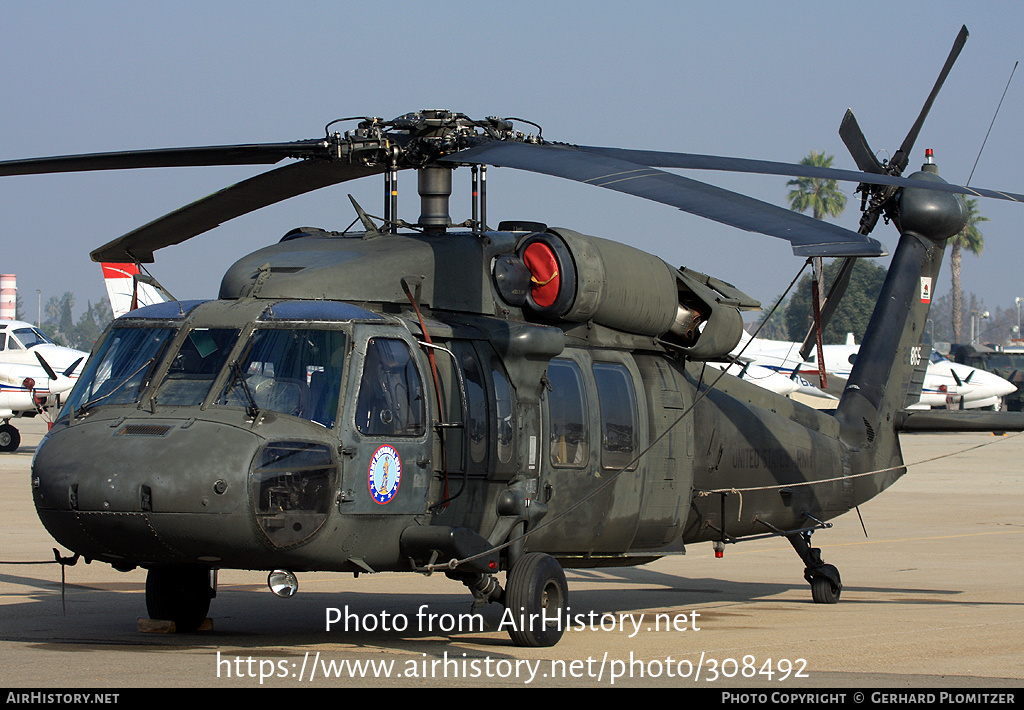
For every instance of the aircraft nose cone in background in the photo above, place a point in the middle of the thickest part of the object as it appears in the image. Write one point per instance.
(988, 384)
(953, 384)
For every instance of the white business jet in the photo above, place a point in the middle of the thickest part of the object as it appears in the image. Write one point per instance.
(34, 373)
(947, 385)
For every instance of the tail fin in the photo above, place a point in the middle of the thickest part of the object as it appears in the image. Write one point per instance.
(127, 289)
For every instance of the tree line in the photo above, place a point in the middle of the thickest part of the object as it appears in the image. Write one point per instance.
(59, 325)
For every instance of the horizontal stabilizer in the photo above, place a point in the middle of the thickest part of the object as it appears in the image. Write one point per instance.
(959, 420)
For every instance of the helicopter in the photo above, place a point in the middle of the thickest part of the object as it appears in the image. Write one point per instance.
(437, 397)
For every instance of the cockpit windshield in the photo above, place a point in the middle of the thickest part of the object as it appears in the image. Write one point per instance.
(195, 366)
(293, 371)
(31, 337)
(290, 371)
(121, 367)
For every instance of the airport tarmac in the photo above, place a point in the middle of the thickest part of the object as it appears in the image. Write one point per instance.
(932, 599)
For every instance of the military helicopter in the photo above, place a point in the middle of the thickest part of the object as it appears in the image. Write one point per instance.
(437, 397)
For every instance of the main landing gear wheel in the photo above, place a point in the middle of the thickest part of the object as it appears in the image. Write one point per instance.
(10, 438)
(826, 585)
(180, 594)
(536, 596)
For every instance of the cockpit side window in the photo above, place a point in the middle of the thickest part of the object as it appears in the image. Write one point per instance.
(391, 399)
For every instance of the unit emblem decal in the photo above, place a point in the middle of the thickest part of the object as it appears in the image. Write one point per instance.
(385, 474)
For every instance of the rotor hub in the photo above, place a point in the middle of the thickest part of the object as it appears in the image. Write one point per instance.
(935, 215)
(423, 136)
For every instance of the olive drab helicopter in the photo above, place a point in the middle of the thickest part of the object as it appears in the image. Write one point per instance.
(437, 397)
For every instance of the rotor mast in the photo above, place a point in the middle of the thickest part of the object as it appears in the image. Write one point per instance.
(435, 188)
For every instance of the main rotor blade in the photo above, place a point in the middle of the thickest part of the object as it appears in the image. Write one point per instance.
(958, 44)
(809, 237)
(692, 161)
(832, 300)
(203, 215)
(251, 154)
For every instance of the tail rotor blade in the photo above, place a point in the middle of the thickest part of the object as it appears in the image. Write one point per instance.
(857, 144)
(876, 199)
(908, 142)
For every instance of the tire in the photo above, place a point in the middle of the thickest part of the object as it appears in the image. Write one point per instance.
(179, 594)
(10, 438)
(823, 589)
(536, 591)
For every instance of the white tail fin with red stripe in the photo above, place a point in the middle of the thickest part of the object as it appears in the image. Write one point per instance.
(127, 291)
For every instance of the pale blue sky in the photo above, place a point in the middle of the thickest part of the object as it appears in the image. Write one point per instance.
(753, 79)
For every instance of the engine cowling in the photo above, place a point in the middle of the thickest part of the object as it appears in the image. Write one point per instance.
(578, 278)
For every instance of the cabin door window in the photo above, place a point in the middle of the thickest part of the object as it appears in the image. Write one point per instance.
(619, 435)
(568, 433)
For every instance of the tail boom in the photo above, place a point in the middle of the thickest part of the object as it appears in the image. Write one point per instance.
(869, 411)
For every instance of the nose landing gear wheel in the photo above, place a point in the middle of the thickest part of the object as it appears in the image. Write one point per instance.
(179, 594)
(10, 438)
(536, 597)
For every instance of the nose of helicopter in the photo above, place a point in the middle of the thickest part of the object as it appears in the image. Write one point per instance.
(144, 491)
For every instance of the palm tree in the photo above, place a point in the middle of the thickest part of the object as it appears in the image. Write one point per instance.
(822, 197)
(970, 239)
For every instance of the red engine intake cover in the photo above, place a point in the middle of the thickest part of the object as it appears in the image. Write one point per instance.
(544, 276)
